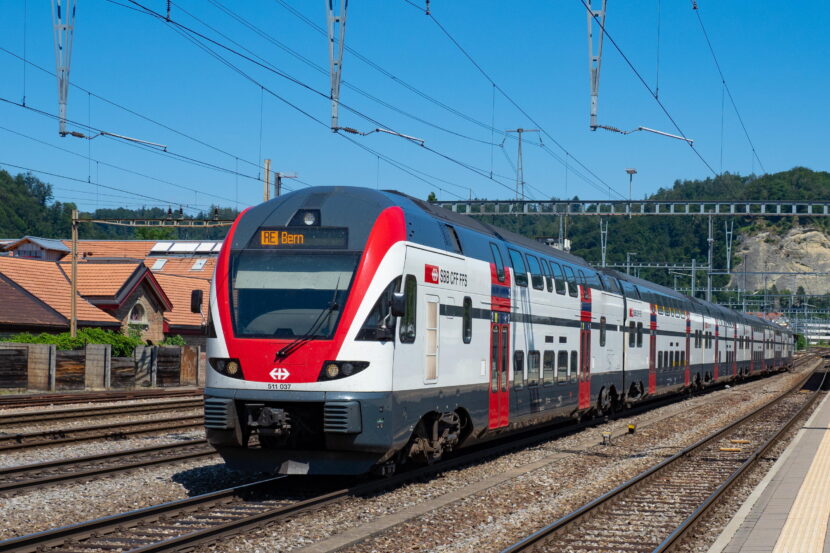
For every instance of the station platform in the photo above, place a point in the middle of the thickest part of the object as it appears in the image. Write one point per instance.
(789, 510)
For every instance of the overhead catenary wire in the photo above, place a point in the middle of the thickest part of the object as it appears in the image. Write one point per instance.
(164, 153)
(608, 188)
(180, 26)
(696, 9)
(75, 179)
(118, 167)
(647, 86)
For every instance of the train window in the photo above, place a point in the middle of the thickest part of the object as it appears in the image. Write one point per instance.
(452, 238)
(660, 310)
(535, 272)
(519, 270)
(467, 324)
(562, 367)
(518, 368)
(548, 367)
(574, 366)
(671, 359)
(569, 275)
(632, 334)
(611, 284)
(558, 279)
(639, 335)
(581, 277)
(602, 332)
(494, 360)
(407, 330)
(683, 358)
(659, 360)
(497, 261)
(380, 324)
(546, 271)
(533, 367)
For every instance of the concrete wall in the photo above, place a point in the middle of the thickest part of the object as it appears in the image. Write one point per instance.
(97, 374)
(41, 368)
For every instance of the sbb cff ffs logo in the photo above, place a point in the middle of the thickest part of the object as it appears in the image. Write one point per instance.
(431, 273)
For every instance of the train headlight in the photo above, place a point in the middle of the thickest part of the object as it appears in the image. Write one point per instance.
(232, 367)
(332, 370)
(227, 367)
(341, 369)
(309, 218)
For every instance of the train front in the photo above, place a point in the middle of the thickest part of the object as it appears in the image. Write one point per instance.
(301, 334)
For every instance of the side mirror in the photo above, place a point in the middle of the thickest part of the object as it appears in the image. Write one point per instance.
(196, 297)
(398, 304)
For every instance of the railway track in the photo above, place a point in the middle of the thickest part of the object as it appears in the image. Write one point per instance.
(207, 518)
(85, 412)
(28, 477)
(653, 511)
(112, 431)
(34, 400)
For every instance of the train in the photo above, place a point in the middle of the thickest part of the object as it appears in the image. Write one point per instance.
(356, 331)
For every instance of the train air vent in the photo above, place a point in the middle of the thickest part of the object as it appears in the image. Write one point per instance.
(341, 417)
(218, 413)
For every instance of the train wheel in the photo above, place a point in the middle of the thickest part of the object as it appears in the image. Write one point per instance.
(603, 401)
(434, 435)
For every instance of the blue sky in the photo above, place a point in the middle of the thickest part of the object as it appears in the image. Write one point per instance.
(773, 54)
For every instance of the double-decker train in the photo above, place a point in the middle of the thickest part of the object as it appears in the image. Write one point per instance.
(352, 330)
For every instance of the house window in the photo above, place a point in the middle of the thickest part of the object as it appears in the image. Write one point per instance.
(138, 315)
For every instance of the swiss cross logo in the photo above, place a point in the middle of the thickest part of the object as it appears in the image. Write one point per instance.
(431, 274)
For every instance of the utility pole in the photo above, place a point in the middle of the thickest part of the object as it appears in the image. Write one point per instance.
(63, 25)
(266, 189)
(520, 177)
(711, 241)
(728, 227)
(73, 299)
(628, 261)
(631, 172)
(595, 56)
(336, 25)
(694, 276)
(603, 237)
(278, 182)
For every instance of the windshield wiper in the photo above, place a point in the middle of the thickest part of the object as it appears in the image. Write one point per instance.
(315, 326)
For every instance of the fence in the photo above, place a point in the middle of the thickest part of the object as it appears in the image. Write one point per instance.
(43, 367)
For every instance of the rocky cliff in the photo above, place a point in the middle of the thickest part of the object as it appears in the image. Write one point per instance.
(799, 250)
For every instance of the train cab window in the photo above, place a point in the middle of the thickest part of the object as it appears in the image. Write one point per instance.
(536, 278)
(518, 369)
(533, 368)
(569, 275)
(558, 278)
(407, 330)
(574, 366)
(380, 324)
(639, 335)
(602, 332)
(632, 334)
(562, 367)
(467, 324)
(546, 271)
(519, 270)
(549, 367)
(497, 261)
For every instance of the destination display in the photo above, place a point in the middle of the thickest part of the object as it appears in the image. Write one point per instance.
(302, 238)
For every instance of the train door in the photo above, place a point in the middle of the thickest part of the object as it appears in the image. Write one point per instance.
(584, 376)
(431, 345)
(687, 377)
(734, 350)
(499, 371)
(652, 352)
(717, 351)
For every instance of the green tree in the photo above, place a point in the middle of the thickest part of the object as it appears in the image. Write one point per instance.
(155, 233)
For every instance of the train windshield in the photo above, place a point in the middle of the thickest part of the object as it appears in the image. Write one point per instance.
(289, 295)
